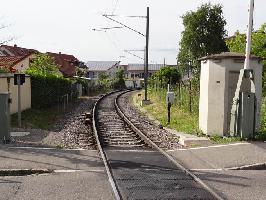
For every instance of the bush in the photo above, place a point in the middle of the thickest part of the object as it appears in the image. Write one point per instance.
(46, 90)
(3, 70)
(119, 82)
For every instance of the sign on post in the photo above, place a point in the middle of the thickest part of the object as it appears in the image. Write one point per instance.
(170, 97)
(19, 79)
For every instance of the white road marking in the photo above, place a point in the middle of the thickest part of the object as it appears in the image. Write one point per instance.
(247, 166)
(78, 170)
(243, 167)
(144, 151)
(208, 147)
(219, 169)
(51, 171)
(45, 148)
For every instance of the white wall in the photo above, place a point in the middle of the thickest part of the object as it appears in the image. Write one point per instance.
(25, 93)
(217, 87)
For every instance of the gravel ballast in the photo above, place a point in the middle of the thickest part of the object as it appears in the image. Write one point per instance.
(69, 130)
(156, 133)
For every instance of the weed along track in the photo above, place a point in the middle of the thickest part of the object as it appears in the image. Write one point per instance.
(137, 167)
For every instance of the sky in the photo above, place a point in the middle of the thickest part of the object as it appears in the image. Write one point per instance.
(66, 26)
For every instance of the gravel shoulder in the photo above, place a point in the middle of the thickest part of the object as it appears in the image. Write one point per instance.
(157, 134)
(69, 130)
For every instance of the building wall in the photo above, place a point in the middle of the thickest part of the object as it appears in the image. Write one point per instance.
(24, 64)
(137, 74)
(217, 88)
(204, 93)
(25, 93)
(112, 71)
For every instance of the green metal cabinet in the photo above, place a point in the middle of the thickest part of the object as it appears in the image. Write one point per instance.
(247, 114)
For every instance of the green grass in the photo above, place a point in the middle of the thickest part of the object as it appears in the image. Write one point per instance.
(37, 119)
(261, 136)
(181, 119)
(216, 139)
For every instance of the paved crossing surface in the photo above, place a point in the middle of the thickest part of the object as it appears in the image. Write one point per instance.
(139, 172)
(79, 174)
(211, 165)
(149, 175)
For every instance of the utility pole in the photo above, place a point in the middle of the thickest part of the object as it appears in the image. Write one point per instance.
(249, 32)
(190, 86)
(19, 101)
(243, 111)
(146, 69)
(146, 58)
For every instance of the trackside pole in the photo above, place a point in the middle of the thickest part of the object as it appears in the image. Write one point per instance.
(243, 112)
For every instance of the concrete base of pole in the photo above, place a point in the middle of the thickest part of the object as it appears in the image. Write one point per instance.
(146, 102)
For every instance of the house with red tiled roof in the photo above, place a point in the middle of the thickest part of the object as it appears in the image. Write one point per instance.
(6, 50)
(16, 57)
(67, 63)
(15, 63)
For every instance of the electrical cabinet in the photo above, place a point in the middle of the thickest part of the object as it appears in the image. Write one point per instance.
(246, 121)
(4, 117)
(170, 97)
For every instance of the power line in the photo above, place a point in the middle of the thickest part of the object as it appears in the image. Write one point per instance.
(132, 16)
(106, 28)
(124, 25)
(133, 54)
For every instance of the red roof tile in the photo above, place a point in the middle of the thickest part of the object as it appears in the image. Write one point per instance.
(8, 61)
(66, 62)
(19, 51)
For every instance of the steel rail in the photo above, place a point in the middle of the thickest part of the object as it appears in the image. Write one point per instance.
(114, 186)
(169, 157)
(100, 149)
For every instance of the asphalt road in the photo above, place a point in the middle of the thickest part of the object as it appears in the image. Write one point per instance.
(236, 184)
(78, 185)
(211, 165)
(79, 174)
(147, 174)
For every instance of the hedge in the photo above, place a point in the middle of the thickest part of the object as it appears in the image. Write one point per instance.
(46, 90)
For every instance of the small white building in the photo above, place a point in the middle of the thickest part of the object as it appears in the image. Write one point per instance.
(136, 71)
(218, 80)
(95, 68)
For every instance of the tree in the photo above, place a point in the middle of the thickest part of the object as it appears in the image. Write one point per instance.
(43, 65)
(3, 70)
(103, 76)
(204, 34)
(119, 81)
(237, 43)
(169, 74)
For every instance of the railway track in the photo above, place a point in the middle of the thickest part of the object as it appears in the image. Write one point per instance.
(137, 168)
